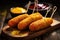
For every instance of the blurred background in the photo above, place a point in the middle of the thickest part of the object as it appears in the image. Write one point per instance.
(10, 3)
(6, 4)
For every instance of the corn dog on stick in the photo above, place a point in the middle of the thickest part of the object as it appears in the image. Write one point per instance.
(14, 21)
(42, 23)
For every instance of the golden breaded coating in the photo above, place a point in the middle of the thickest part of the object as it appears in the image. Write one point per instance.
(40, 24)
(36, 16)
(24, 23)
(14, 21)
(49, 21)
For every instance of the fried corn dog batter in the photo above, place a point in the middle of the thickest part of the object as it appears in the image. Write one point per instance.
(14, 21)
(40, 24)
(33, 17)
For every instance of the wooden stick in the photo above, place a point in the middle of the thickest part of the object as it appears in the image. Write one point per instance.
(54, 9)
(28, 5)
(34, 6)
(4, 16)
(48, 11)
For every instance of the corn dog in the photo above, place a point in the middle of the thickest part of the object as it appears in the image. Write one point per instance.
(24, 23)
(40, 24)
(14, 21)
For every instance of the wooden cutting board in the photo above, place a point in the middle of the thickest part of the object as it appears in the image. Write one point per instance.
(30, 35)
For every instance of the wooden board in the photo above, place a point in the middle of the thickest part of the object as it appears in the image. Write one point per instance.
(30, 35)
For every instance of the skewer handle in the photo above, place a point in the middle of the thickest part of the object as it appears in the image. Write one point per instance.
(54, 9)
(48, 11)
(34, 6)
(3, 15)
(28, 5)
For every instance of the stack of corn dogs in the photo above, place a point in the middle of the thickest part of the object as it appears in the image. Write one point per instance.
(34, 21)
